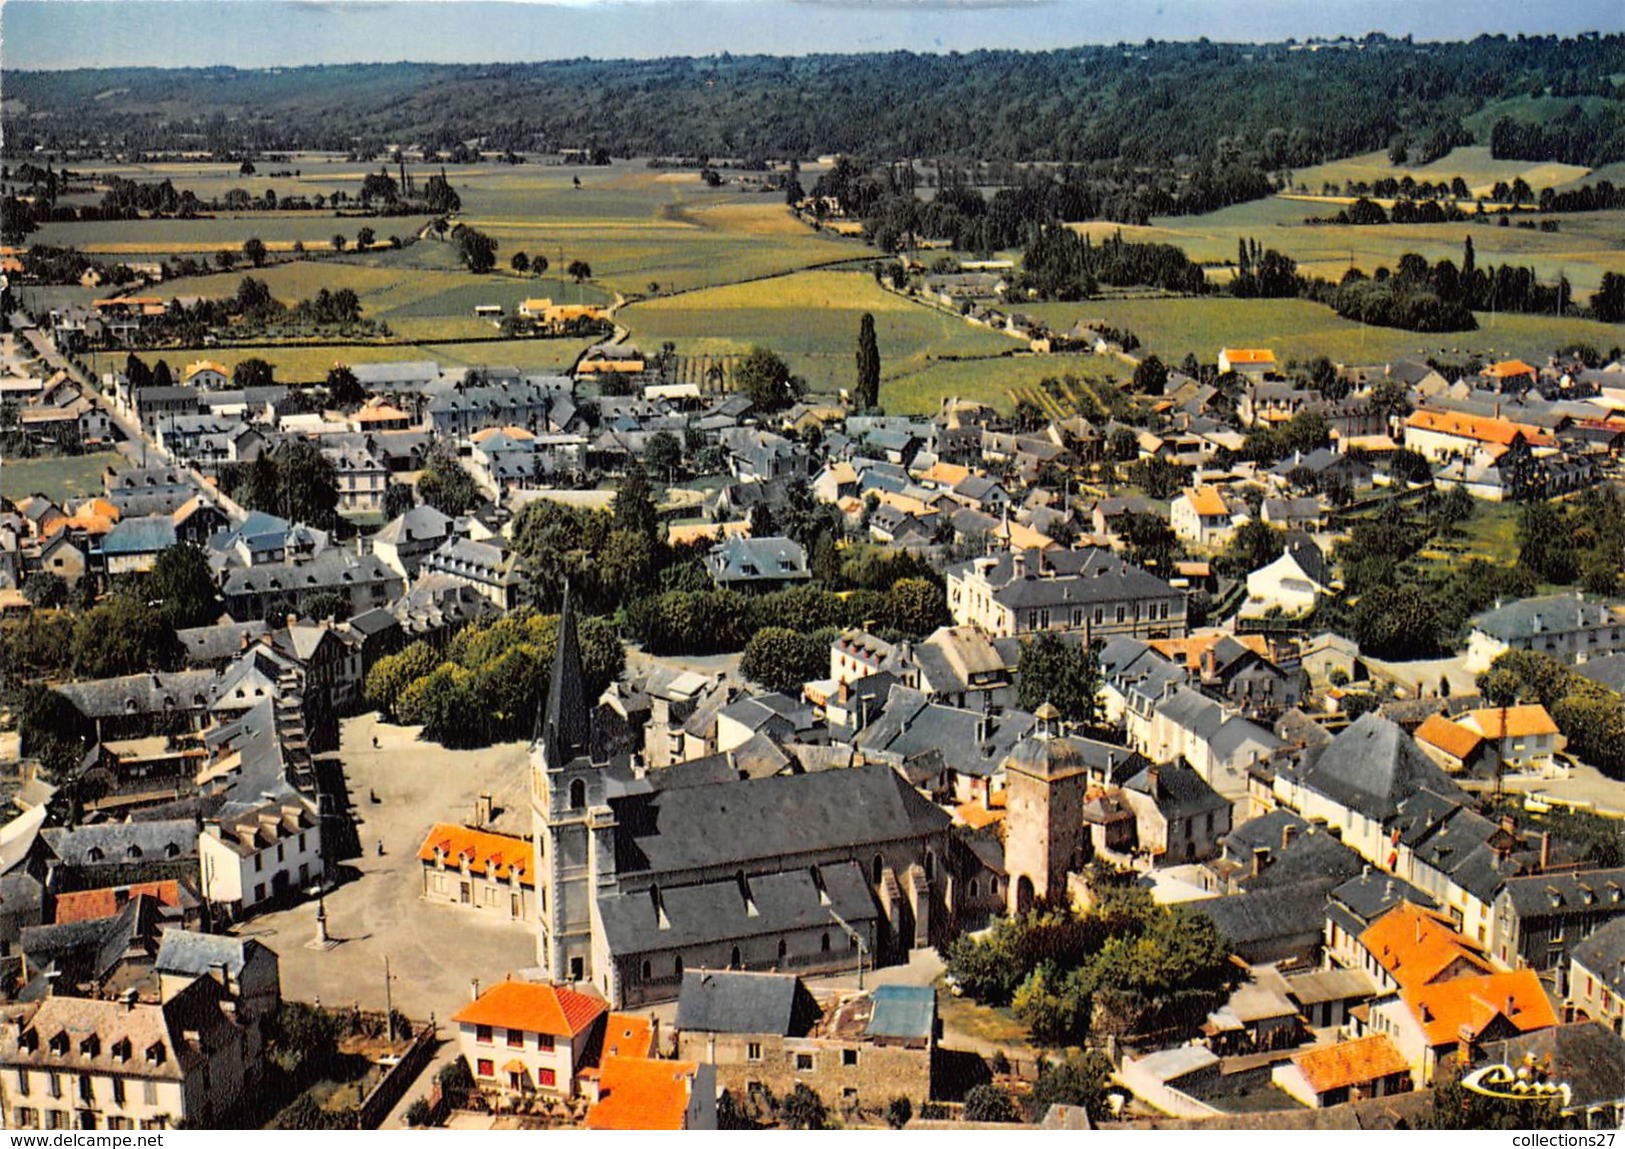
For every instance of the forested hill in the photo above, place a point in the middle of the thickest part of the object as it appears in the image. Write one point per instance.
(1150, 104)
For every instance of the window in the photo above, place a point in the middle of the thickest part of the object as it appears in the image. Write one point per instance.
(544, 1042)
(149, 1093)
(804, 1061)
(484, 1068)
(118, 1091)
(648, 971)
(578, 795)
(516, 1039)
(301, 843)
(25, 1118)
(56, 1119)
(259, 862)
(823, 943)
(849, 1057)
(22, 1080)
(281, 852)
(482, 1034)
(546, 1077)
(259, 890)
(56, 1084)
(753, 1051)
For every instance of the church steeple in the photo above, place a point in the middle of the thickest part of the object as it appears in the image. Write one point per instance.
(566, 721)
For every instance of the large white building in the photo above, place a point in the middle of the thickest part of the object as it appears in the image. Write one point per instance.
(1092, 592)
(260, 855)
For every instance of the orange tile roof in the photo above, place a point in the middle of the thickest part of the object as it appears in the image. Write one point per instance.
(1470, 1004)
(1514, 721)
(205, 365)
(945, 474)
(1207, 501)
(1025, 537)
(1190, 650)
(482, 436)
(535, 1007)
(641, 1093)
(1509, 368)
(92, 905)
(1350, 1063)
(1249, 355)
(1451, 737)
(1477, 427)
(628, 1035)
(1416, 946)
(975, 815)
(492, 856)
(379, 413)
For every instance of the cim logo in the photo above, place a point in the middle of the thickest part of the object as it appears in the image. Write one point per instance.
(1508, 1084)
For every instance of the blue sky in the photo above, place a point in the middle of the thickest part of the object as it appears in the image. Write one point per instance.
(268, 33)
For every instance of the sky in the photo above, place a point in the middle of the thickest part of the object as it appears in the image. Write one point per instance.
(52, 34)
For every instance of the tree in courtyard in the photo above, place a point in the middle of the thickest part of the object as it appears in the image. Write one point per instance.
(181, 582)
(804, 1109)
(252, 372)
(1064, 674)
(1082, 1080)
(766, 381)
(344, 390)
(664, 454)
(866, 394)
(989, 1103)
(633, 508)
(398, 500)
(445, 484)
(1150, 376)
(121, 636)
(784, 660)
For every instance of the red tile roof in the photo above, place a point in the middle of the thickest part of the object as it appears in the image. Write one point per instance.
(1451, 737)
(91, 905)
(535, 1007)
(493, 856)
(1468, 1005)
(1477, 428)
(640, 1093)
(1350, 1063)
(1417, 946)
(628, 1035)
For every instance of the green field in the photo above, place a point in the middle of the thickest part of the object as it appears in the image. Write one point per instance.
(1474, 165)
(811, 318)
(989, 381)
(1586, 245)
(1299, 329)
(310, 364)
(60, 479)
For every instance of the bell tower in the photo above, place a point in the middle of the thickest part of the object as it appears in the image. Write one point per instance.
(568, 810)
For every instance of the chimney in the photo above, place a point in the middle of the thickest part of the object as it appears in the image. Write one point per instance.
(217, 970)
(129, 998)
(482, 811)
(1289, 834)
(474, 989)
(1153, 776)
(1388, 890)
(1512, 1005)
(292, 620)
(1018, 563)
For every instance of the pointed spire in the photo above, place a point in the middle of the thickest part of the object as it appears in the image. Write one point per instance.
(566, 722)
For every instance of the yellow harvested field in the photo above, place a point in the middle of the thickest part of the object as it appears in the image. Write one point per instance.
(1100, 229)
(748, 219)
(174, 248)
(818, 290)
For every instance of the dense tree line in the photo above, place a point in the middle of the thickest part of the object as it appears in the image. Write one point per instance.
(1060, 264)
(1146, 104)
(1590, 139)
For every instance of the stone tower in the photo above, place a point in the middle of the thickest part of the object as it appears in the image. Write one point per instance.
(572, 821)
(1045, 783)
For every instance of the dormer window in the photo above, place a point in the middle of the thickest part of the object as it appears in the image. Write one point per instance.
(155, 1053)
(94, 854)
(133, 851)
(59, 1043)
(171, 850)
(121, 1050)
(90, 1045)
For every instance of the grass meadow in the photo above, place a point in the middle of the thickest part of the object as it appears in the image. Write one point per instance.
(60, 479)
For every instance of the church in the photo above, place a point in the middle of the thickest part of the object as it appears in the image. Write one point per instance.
(643, 874)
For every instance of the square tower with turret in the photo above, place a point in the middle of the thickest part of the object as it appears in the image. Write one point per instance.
(1046, 780)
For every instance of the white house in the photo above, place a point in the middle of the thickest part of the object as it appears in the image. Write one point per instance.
(522, 1037)
(1200, 515)
(1293, 583)
(258, 856)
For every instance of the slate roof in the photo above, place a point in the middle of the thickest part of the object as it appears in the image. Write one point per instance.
(141, 693)
(1371, 767)
(1543, 894)
(1589, 1057)
(911, 726)
(1559, 613)
(717, 912)
(1310, 558)
(147, 534)
(1266, 915)
(1082, 576)
(183, 951)
(1603, 954)
(904, 1011)
(672, 831)
(727, 1001)
(1609, 670)
(1181, 791)
(1369, 896)
(116, 841)
(330, 568)
(741, 560)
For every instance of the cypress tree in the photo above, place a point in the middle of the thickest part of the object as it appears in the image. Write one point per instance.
(867, 392)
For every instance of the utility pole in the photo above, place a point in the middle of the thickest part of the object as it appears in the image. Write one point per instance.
(857, 940)
(389, 1000)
